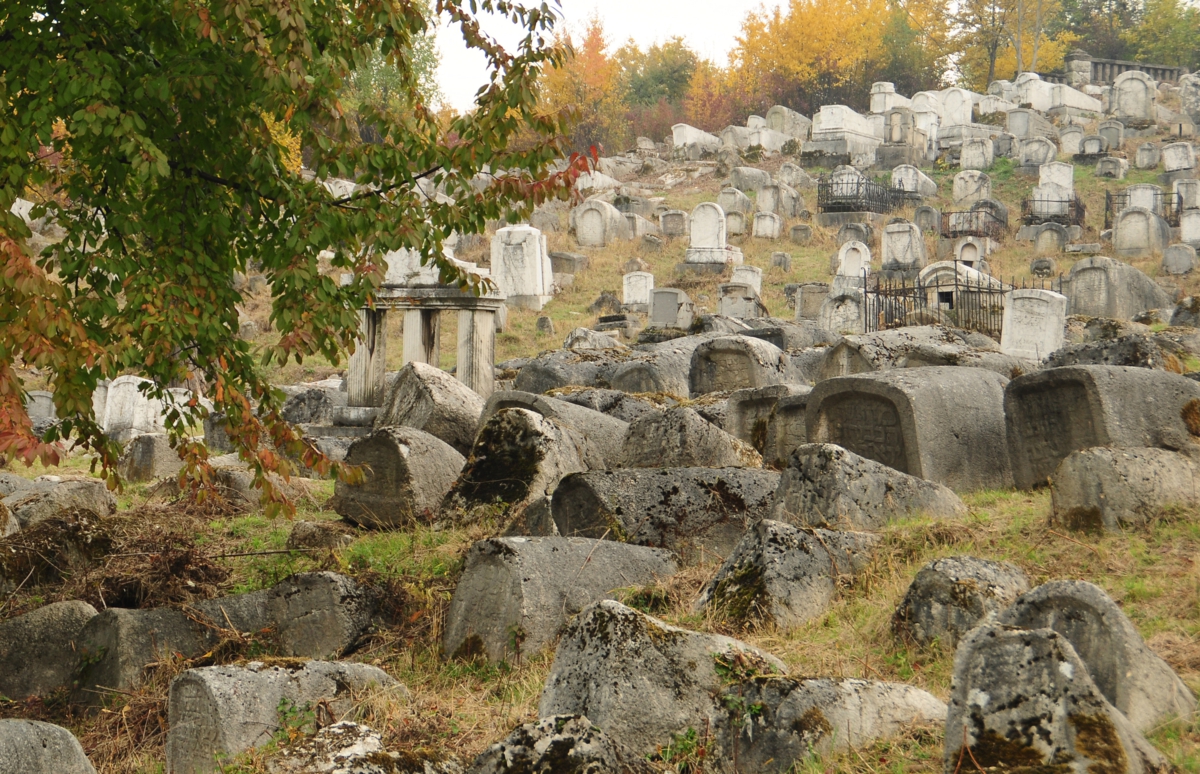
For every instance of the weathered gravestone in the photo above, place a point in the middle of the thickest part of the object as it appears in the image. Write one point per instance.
(970, 187)
(670, 308)
(636, 288)
(1093, 146)
(1147, 157)
(779, 199)
(1189, 228)
(1112, 167)
(1133, 98)
(1052, 413)
(767, 225)
(903, 248)
(521, 267)
(674, 223)
(707, 234)
(1033, 323)
(1052, 239)
(735, 223)
(599, 224)
(1114, 132)
(1178, 157)
(801, 234)
(732, 200)
(1037, 151)
(842, 312)
(1187, 193)
(735, 363)
(928, 219)
(1179, 260)
(748, 275)
(1071, 139)
(943, 423)
(1101, 287)
(853, 262)
(1146, 196)
(976, 153)
(912, 180)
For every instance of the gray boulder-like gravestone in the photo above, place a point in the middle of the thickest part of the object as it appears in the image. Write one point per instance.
(429, 399)
(614, 403)
(1179, 259)
(518, 458)
(918, 346)
(148, 458)
(749, 413)
(951, 596)
(825, 485)
(516, 593)
(1129, 675)
(38, 649)
(560, 743)
(33, 747)
(52, 499)
(641, 680)
(735, 363)
(408, 473)
(748, 178)
(1060, 410)
(224, 710)
(313, 406)
(783, 575)
(586, 338)
(696, 512)
(1023, 699)
(943, 424)
(681, 438)
(566, 368)
(1116, 489)
(659, 368)
(799, 716)
(603, 435)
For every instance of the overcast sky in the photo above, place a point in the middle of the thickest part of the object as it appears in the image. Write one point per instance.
(709, 27)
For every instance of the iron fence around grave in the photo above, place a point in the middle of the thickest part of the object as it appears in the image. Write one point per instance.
(1168, 204)
(976, 223)
(970, 303)
(857, 196)
(1065, 212)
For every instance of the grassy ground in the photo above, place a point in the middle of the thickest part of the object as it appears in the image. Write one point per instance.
(457, 708)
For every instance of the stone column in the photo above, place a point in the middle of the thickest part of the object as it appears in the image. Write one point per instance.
(477, 350)
(422, 336)
(365, 375)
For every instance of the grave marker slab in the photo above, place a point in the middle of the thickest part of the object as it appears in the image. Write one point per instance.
(1139, 232)
(767, 225)
(1034, 321)
(637, 286)
(1178, 156)
(1148, 156)
(903, 247)
(670, 308)
(971, 186)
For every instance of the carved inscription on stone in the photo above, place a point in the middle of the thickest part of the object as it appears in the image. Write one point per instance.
(868, 426)
(1089, 293)
(730, 371)
(1052, 423)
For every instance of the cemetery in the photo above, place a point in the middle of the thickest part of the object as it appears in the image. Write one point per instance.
(818, 443)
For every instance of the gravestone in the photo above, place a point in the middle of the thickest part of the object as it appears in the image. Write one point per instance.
(1051, 239)
(767, 225)
(1189, 96)
(928, 219)
(779, 199)
(796, 177)
(1146, 196)
(1189, 228)
(1037, 151)
(940, 423)
(1043, 267)
(801, 234)
(674, 223)
(1138, 232)
(1179, 260)
(957, 106)
(735, 223)
(853, 259)
(972, 251)
(670, 308)
(1025, 124)
(521, 267)
(740, 301)
(749, 178)
(1071, 139)
(781, 261)
(1033, 325)
(1114, 132)
(860, 232)
(1178, 157)
(970, 186)
(1101, 287)
(912, 180)
(1112, 167)
(1133, 98)
(1187, 193)
(1054, 412)
(788, 122)
(748, 275)
(842, 312)
(903, 248)
(733, 200)
(598, 224)
(977, 153)
(809, 298)
(637, 286)
(1148, 156)
(706, 231)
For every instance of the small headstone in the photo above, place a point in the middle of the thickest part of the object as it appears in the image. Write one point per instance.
(976, 154)
(951, 596)
(1114, 132)
(1112, 167)
(1043, 267)
(1179, 260)
(928, 219)
(781, 261)
(673, 223)
(903, 247)
(970, 186)
(633, 265)
(1071, 139)
(855, 232)
(544, 326)
(1178, 156)
(1148, 156)
(801, 234)
(670, 308)
(809, 298)
(748, 275)
(1033, 323)
(637, 286)
(1093, 145)
(1138, 232)
(1051, 239)
(735, 224)
(767, 225)
(733, 200)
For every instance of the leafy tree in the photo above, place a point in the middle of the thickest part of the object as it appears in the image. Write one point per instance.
(1100, 26)
(171, 182)
(662, 72)
(588, 82)
(1169, 34)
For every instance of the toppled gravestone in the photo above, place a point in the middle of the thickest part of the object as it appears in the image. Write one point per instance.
(942, 423)
(825, 485)
(516, 593)
(429, 399)
(796, 717)
(38, 649)
(566, 367)
(518, 459)
(642, 680)
(659, 368)
(1129, 675)
(916, 347)
(311, 615)
(33, 747)
(603, 435)
(734, 363)
(680, 438)
(586, 338)
(750, 412)
(408, 475)
(784, 575)
(352, 748)
(313, 406)
(148, 457)
(1023, 700)
(52, 499)
(1060, 410)
(1161, 353)
(951, 596)
(1114, 489)
(614, 403)
(695, 512)
(560, 743)
(224, 710)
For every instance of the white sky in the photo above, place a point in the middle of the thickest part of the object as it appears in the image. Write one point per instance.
(708, 26)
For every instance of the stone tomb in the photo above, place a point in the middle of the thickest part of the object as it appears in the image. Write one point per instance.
(903, 248)
(788, 122)
(780, 199)
(740, 301)
(1025, 124)
(521, 267)
(941, 423)
(1139, 232)
(670, 308)
(637, 286)
(707, 234)
(1034, 321)
(1054, 412)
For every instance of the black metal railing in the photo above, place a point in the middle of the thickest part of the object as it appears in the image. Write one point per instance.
(975, 304)
(857, 196)
(976, 223)
(1166, 204)
(1067, 212)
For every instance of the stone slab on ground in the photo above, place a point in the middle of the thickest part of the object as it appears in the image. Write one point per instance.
(34, 747)
(951, 596)
(38, 649)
